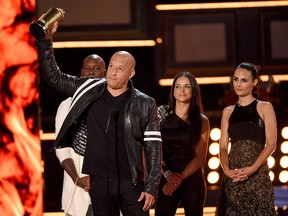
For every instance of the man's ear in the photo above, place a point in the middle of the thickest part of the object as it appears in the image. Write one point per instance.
(132, 74)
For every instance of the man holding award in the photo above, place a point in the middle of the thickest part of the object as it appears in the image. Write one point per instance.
(123, 132)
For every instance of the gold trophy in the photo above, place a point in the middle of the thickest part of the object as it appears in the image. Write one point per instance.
(40, 27)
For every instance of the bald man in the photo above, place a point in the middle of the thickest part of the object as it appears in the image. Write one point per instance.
(93, 65)
(123, 133)
(75, 197)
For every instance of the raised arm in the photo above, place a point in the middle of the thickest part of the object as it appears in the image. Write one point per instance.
(64, 83)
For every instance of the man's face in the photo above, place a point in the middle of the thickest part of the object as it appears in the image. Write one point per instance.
(120, 70)
(93, 67)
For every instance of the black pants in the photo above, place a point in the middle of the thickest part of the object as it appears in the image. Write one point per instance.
(191, 192)
(108, 197)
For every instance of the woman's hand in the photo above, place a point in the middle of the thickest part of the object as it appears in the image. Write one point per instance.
(243, 173)
(174, 179)
(238, 175)
(169, 188)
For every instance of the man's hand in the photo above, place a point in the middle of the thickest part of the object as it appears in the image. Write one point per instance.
(50, 32)
(84, 182)
(149, 200)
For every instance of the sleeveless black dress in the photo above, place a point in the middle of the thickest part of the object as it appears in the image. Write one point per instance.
(178, 150)
(254, 196)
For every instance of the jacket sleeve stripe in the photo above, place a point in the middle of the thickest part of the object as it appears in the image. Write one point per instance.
(152, 136)
(84, 87)
(153, 139)
(152, 133)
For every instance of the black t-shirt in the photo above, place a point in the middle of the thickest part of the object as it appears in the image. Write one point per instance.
(105, 148)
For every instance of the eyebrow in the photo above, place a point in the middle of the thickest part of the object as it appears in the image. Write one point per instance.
(182, 84)
(241, 77)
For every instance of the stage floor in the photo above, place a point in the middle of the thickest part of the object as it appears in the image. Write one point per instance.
(280, 192)
(208, 211)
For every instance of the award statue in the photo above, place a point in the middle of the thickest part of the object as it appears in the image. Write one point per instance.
(39, 28)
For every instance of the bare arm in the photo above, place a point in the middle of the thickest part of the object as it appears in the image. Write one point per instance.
(224, 141)
(201, 150)
(267, 113)
(69, 166)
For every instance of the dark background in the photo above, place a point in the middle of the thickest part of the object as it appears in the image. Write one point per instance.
(251, 41)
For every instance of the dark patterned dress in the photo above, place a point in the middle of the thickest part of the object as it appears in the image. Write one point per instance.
(254, 196)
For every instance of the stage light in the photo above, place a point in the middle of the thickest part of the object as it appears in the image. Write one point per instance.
(220, 5)
(284, 132)
(215, 134)
(271, 161)
(214, 148)
(272, 176)
(218, 80)
(284, 162)
(229, 146)
(213, 163)
(108, 43)
(283, 176)
(159, 40)
(284, 147)
(213, 177)
(46, 136)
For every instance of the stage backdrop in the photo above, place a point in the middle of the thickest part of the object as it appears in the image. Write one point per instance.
(20, 150)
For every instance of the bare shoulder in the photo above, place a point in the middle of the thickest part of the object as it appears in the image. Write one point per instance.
(265, 108)
(204, 118)
(205, 122)
(264, 103)
(228, 110)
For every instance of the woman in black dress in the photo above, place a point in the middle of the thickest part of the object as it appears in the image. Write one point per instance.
(185, 134)
(251, 127)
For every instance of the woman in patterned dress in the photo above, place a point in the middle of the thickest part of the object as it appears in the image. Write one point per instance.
(251, 127)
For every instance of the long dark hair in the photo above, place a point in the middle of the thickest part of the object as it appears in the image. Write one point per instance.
(254, 70)
(196, 106)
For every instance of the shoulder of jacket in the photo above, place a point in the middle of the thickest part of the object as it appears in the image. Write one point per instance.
(163, 111)
(142, 95)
